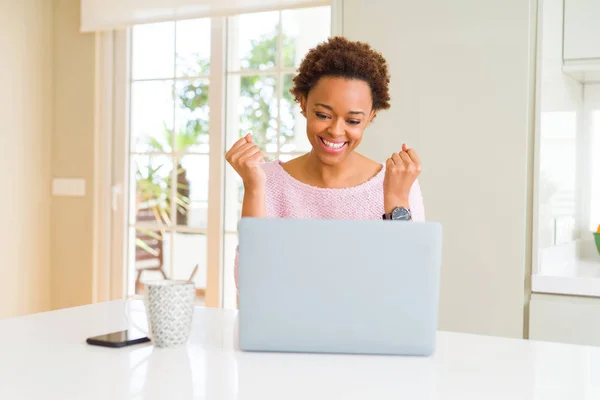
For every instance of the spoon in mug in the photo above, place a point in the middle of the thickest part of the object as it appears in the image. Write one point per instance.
(193, 273)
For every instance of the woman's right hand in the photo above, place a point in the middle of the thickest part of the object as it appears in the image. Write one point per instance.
(245, 157)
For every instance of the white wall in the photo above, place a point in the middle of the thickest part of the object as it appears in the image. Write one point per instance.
(462, 91)
(26, 120)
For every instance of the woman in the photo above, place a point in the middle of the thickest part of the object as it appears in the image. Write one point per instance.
(340, 85)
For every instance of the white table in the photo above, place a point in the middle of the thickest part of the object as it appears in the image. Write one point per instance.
(44, 356)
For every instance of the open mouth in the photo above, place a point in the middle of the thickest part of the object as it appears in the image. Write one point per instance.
(332, 147)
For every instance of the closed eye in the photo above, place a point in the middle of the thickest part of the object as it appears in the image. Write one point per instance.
(321, 115)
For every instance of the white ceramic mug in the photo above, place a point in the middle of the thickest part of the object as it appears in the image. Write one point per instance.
(169, 310)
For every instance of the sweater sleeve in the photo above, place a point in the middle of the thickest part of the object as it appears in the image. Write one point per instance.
(415, 201)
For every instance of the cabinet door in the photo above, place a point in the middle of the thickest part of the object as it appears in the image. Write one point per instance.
(581, 29)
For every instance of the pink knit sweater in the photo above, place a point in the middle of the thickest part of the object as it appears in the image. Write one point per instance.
(287, 197)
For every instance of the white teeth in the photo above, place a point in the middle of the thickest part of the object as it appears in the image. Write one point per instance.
(332, 145)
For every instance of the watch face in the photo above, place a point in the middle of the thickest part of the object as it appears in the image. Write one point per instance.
(401, 213)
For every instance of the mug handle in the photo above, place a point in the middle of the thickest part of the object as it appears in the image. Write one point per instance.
(130, 320)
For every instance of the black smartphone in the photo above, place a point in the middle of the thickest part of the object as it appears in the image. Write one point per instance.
(118, 339)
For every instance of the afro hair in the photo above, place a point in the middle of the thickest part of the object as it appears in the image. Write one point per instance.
(340, 57)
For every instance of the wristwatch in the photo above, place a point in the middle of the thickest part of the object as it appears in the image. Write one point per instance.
(399, 214)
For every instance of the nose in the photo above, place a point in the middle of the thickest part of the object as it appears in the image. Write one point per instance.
(336, 128)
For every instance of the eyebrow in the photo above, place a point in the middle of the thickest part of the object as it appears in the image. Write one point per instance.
(331, 109)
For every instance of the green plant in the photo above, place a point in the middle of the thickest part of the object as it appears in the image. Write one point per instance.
(184, 139)
(154, 192)
(144, 246)
(151, 191)
(257, 115)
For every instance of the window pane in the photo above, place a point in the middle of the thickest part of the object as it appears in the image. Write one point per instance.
(557, 179)
(253, 41)
(151, 116)
(256, 109)
(269, 157)
(192, 191)
(152, 190)
(190, 249)
(193, 47)
(191, 116)
(297, 40)
(293, 123)
(149, 252)
(153, 49)
(287, 157)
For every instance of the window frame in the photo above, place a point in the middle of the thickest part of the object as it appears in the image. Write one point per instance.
(116, 110)
(122, 153)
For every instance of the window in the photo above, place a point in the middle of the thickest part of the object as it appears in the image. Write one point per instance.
(264, 50)
(170, 149)
(568, 173)
(558, 141)
(568, 199)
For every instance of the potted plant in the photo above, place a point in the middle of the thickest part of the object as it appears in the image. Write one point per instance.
(152, 192)
(184, 139)
(153, 203)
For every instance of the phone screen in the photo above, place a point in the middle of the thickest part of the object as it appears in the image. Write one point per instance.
(118, 339)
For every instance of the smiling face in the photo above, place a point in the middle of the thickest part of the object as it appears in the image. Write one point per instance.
(337, 112)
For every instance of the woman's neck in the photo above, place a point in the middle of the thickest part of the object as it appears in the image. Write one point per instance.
(332, 176)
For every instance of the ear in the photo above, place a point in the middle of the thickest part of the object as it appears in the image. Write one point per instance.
(372, 115)
(303, 105)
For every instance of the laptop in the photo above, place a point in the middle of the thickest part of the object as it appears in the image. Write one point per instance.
(339, 286)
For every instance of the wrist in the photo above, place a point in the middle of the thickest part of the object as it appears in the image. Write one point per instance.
(392, 202)
(254, 189)
(253, 204)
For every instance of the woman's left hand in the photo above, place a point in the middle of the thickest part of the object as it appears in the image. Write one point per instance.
(402, 169)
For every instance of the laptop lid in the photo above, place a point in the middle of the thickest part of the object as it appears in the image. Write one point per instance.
(339, 286)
